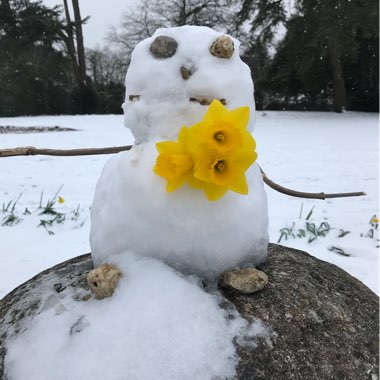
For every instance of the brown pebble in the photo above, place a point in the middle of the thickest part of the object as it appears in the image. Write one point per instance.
(222, 47)
(185, 72)
(246, 280)
(103, 280)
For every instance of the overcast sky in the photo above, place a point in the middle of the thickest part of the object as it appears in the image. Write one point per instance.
(103, 13)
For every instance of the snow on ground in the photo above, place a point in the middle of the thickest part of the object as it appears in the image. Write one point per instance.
(325, 152)
(304, 151)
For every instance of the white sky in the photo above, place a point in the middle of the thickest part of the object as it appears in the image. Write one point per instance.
(103, 14)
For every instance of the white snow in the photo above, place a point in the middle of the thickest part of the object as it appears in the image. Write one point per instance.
(157, 325)
(331, 153)
(164, 94)
(26, 249)
(302, 150)
(131, 208)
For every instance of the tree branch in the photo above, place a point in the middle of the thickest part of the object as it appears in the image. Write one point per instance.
(32, 151)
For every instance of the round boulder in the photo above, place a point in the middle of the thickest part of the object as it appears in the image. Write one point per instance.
(324, 322)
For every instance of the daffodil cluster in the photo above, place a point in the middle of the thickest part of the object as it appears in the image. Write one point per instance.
(212, 155)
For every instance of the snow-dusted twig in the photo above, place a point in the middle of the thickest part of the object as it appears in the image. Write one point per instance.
(32, 151)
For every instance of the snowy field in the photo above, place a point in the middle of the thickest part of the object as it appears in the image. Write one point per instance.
(304, 151)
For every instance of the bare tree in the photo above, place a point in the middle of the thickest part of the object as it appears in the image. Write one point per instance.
(141, 22)
(105, 66)
(136, 24)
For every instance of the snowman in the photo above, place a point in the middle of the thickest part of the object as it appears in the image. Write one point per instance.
(176, 196)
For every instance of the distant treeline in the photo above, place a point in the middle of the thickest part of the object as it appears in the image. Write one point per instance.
(303, 54)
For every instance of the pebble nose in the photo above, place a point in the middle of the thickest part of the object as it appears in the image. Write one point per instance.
(185, 72)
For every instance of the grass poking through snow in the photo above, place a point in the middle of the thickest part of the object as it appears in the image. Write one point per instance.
(316, 230)
(48, 213)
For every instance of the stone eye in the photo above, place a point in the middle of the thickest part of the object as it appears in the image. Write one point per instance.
(222, 47)
(163, 47)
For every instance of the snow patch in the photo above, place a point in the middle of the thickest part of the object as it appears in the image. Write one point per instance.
(158, 325)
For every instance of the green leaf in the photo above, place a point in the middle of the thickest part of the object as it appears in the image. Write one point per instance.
(343, 233)
(338, 250)
(310, 213)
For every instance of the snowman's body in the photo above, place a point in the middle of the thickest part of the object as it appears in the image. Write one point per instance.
(131, 209)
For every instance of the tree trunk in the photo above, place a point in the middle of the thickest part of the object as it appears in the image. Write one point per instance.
(84, 97)
(69, 41)
(338, 78)
(80, 44)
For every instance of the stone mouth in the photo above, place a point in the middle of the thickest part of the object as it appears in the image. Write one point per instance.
(206, 100)
(202, 100)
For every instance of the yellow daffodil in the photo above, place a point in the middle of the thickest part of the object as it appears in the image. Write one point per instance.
(61, 200)
(219, 172)
(222, 129)
(212, 155)
(174, 163)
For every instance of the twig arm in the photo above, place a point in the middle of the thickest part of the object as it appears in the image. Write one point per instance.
(301, 194)
(32, 151)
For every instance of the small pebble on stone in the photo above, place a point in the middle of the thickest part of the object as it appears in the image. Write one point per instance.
(246, 280)
(103, 280)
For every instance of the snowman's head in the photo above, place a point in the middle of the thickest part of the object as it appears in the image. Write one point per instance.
(176, 73)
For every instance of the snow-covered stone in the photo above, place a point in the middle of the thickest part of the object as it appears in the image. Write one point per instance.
(312, 321)
(158, 325)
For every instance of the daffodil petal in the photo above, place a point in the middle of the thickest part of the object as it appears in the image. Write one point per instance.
(175, 183)
(204, 156)
(203, 171)
(216, 111)
(213, 192)
(182, 137)
(195, 183)
(248, 141)
(164, 167)
(239, 185)
(168, 147)
(239, 117)
(244, 159)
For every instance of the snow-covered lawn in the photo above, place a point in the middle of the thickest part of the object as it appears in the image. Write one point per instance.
(305, 151)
